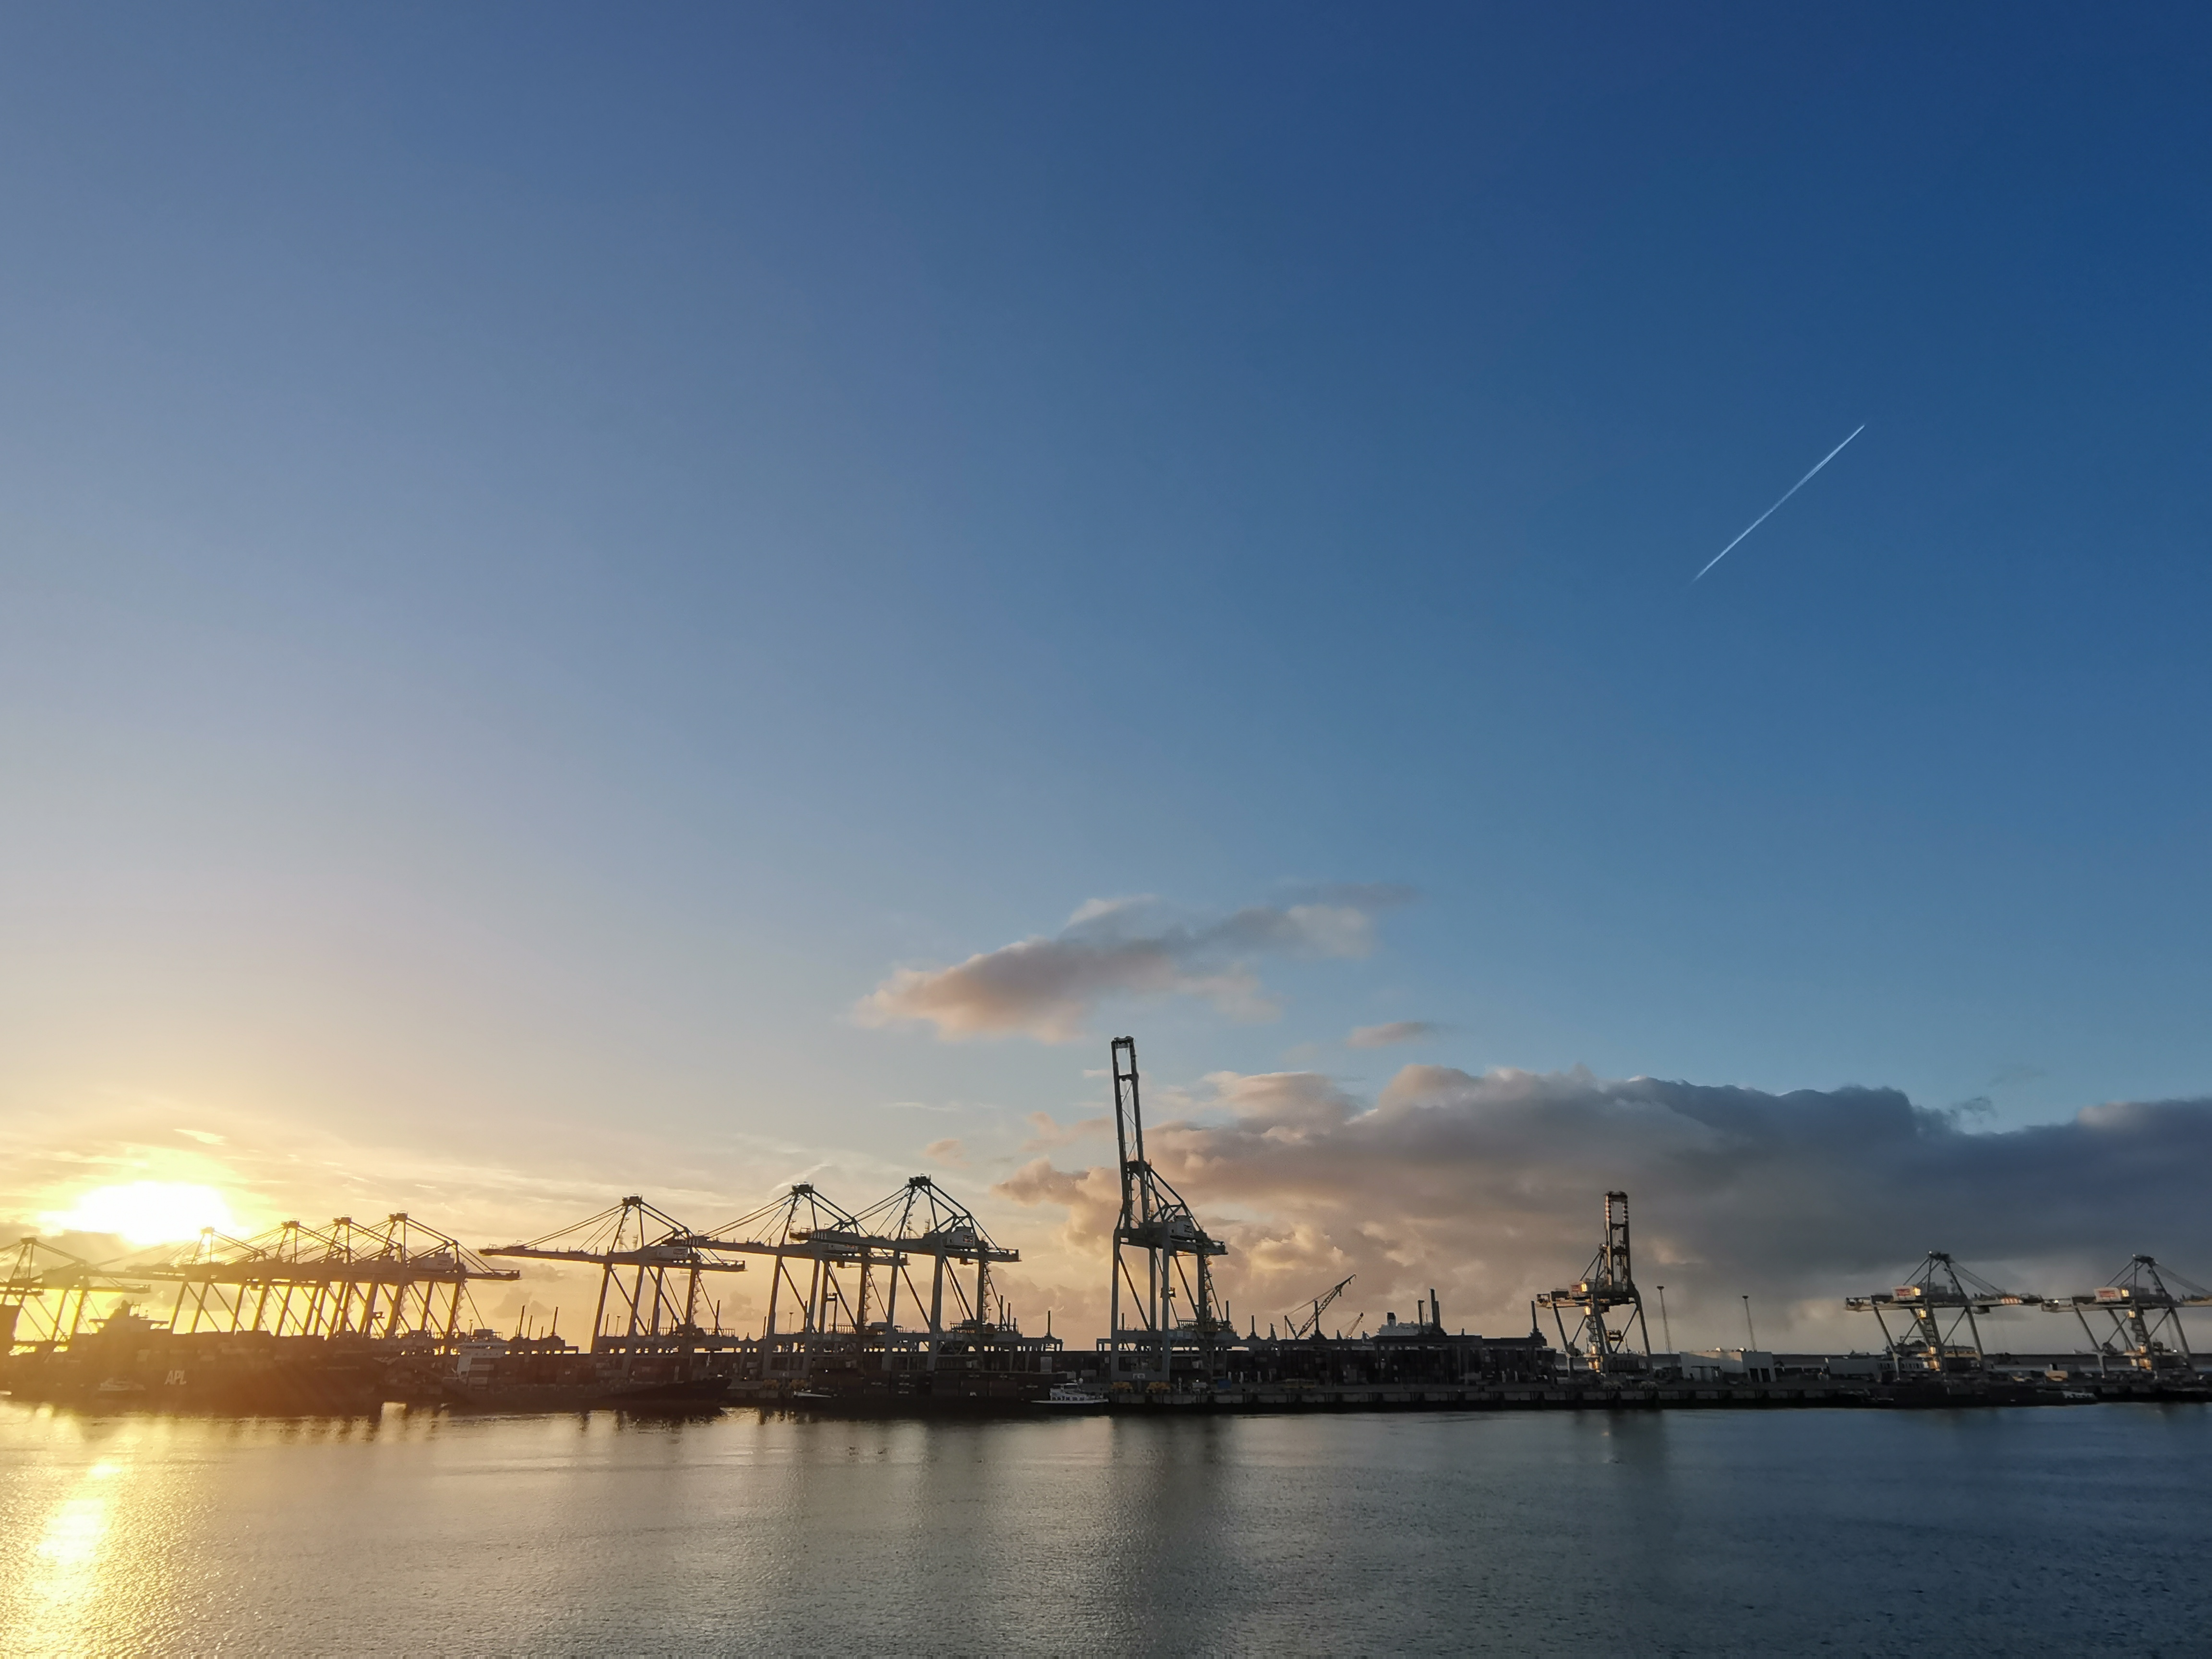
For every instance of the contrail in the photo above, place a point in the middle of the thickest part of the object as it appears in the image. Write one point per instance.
(1769, 513)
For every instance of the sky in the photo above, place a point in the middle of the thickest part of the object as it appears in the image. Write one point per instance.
(674, 601)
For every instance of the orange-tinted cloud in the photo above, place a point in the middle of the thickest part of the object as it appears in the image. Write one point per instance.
(1398, 1030)
(1046, 987)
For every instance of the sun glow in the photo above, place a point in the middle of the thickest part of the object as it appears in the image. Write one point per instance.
(145, 1212)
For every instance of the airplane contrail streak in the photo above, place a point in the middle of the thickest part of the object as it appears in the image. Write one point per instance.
(1769, 513)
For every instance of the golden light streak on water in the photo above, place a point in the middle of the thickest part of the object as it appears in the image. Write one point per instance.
(64, 1577)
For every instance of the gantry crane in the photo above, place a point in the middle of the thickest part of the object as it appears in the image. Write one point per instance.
(1941, 1299)
(645, 1244)
(1605, 1300)
(1161, 1256)
(2144, 1302)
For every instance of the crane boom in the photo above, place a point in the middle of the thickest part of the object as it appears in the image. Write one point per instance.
(1310, 1324)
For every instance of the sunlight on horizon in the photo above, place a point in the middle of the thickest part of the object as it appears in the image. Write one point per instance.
(145, 1212)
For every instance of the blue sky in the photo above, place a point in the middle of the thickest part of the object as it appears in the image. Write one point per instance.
(545, 551)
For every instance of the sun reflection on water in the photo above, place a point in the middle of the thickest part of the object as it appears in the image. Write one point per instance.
(65, 1573)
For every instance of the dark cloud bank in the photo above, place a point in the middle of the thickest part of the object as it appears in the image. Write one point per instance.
(1491, 1186)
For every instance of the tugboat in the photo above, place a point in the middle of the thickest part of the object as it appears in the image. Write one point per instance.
(1074, 1397)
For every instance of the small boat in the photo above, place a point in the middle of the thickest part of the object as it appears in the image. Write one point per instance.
(1068, 1396)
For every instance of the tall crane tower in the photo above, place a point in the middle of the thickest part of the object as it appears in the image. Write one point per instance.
(1605, 1302)
(1162, 1257)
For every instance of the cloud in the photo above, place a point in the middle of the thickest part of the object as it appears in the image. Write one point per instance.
(1047, 1132)
(1275, 1105)
(948, 1152)
(1046, 987)
(1398, 1030)
(1091, 1197)
(1489, 1188)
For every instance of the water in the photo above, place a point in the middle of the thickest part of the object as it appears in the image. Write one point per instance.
(1989, 1532)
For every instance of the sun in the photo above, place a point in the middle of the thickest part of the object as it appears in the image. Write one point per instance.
(145, 1212)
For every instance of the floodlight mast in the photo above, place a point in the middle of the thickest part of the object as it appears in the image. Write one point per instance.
(1157, 1229)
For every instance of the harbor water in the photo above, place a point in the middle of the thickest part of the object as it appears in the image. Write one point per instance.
(1839, 1532)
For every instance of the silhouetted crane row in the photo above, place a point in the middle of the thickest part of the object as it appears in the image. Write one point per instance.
(1938, 1301)
(1161, 1256)
(1605, 1302)
(2144, 1302)
(897, 1300)
(47, 1293)
(395, 1278)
